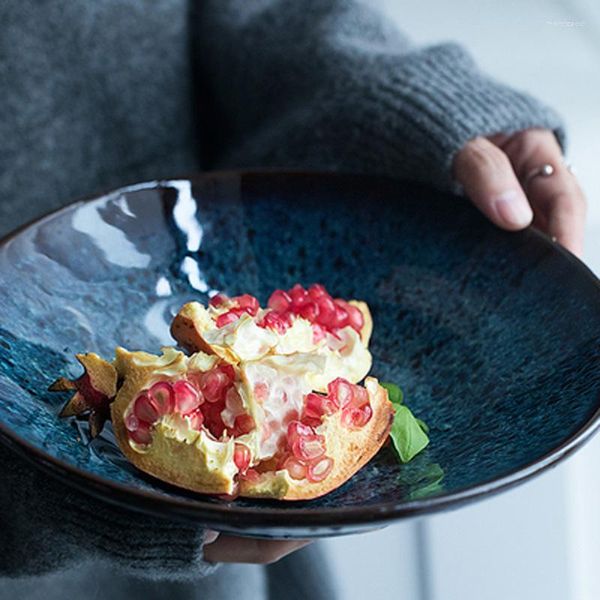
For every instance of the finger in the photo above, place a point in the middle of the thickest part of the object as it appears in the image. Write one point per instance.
(557, 200)
(489, 180)
(249, 550)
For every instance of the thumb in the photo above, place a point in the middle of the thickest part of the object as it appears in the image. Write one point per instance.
(488, 179)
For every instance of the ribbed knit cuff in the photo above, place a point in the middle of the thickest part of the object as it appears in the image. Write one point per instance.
(48, 526)
(144, 546)
(438, 100)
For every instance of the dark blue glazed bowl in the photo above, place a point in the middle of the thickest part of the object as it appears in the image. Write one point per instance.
(494, 336)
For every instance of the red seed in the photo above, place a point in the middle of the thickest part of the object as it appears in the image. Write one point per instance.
(229, 371)
(145, 409)
(326, 311)
(274, 321)
(251, 475)
(360, 396)
(355, 317)
(279, 301)
(309, 311)
(244, 424)
(131, 422)
(318, 333)
(308, 448)
(248, 303)
(261, 391)
(242, 457)
(218, 299)
(316, 405)
(317, 291)
(213, 385)
(296, 429)
(340, 319)
(187, 397)
(355, 418)
(233, 401)
(299, 296)
(341, 390)
(290, 415)
(318, 471)
(196, 419)
(142, 434)
(162, 397)
(229, 317)
(295, 468)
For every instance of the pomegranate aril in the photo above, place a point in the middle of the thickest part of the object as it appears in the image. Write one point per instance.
(296, 429)
(248, 303)
(315, 407)
(144, 409)
(309, 311)
(279, 301)
(289, 416)
(299, 296)
(360, 396)
(309, 448)
(355, 317)
(142, 434)
(242, 457)
(228, 317)
(229, 371)
(272, 320)
(161, 394)
(318, 333)
(196, 419)
(261, 392)
(319, 470)
(316, 291)
(218, 299)
(340, 318)
(326, 311)
(251, 475)
(355, 418)
(295, 468)
(341, 391)
(131, 422)
(187, 397)
(213, 385)
(244, 424)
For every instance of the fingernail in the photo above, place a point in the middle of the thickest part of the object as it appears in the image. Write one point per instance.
(513, 209)
(210, 536)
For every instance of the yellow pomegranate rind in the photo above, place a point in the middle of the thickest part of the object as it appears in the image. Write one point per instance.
(177, 455)
(349, 449)
(193, 326)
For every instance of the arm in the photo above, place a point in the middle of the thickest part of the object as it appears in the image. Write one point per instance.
(329, 85)
(47, 525)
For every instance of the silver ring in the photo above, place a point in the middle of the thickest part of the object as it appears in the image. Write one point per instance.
(546, 170)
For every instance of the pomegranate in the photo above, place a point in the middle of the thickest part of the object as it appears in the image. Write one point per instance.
(288, 423)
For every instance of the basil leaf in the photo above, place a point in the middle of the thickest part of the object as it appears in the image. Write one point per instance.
(422, 425)
(407, 436)
(394, 392)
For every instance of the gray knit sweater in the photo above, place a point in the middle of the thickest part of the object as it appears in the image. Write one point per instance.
(97, 94)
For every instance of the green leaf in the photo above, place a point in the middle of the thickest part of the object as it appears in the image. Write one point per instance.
(407, 436)
(394, 392)
(422, 425)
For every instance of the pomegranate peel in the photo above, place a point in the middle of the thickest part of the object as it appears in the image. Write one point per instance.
(350, 450)
(94, 391)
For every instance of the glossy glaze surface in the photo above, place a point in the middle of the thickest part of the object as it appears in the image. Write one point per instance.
(493, 336)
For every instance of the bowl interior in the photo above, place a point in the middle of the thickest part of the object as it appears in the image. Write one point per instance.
(494, 337)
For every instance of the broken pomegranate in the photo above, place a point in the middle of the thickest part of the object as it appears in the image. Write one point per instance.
(252, 411)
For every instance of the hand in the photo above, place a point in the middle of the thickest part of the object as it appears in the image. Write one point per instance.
(491, 169)
(229, 549)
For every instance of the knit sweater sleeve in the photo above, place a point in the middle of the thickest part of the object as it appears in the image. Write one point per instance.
(48, 526)
(332, 85)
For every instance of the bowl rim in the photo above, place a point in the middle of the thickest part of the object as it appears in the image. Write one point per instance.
(324, 519)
